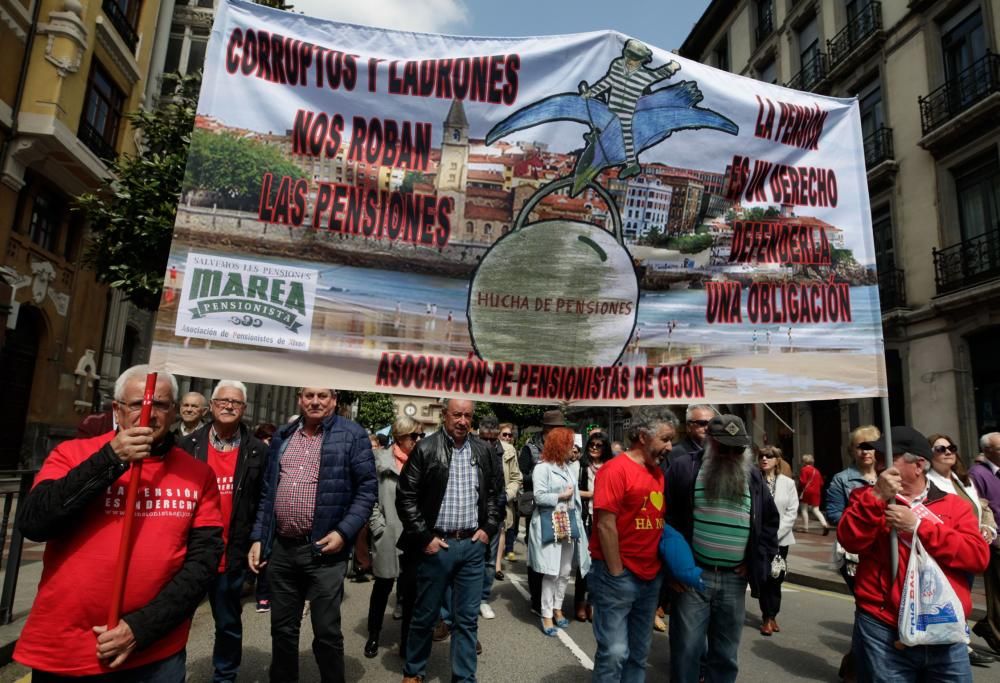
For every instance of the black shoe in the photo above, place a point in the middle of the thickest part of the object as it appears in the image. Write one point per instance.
(980, 659)
(983, 631)
(371, 647)
(499, 576)
(479, 647)
(826, 531)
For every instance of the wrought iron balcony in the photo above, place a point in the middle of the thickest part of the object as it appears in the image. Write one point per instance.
(967, 263)
(121, 22)
(95, 141)
(864, 25)
(765, 22)
(972, 85)
(810, 75)
(891, 288)
(878, 147)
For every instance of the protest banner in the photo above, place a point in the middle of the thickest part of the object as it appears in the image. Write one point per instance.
(580, 218)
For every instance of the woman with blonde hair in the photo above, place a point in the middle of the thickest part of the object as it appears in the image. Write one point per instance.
(387, 565)
(861, 472)
(556, 536)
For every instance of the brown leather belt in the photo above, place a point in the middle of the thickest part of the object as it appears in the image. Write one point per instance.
(457, 534)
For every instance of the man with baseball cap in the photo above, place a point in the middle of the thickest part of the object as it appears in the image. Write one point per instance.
(903, 500)
(722, 506)
(529, 456)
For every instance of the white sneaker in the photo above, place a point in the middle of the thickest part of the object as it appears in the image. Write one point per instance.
(397, 613)
(486, 612)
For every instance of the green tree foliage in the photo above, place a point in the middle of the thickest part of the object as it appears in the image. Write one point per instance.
(132, 213)
(230, 168)
(375, 411)
(410, 179)
(842, 257)
(690, 244)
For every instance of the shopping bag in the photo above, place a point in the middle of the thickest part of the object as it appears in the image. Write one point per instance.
(930, 612)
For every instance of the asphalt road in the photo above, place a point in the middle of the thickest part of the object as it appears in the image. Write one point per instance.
(816, 630)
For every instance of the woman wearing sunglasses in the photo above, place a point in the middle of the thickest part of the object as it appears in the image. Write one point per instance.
(948, 473)
(386, 528)
(786, 499)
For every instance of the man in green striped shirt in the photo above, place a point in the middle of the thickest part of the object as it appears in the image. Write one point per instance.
(719, 502)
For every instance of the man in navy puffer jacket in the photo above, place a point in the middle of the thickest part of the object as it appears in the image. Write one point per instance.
(318, 492)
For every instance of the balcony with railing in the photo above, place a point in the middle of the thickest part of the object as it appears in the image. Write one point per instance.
(878, 147)
(857, 40)
(765, 23)
(121, 23)
(891, 289)
(95, 141)
(811, 75)
(965, 105)
(969, 262)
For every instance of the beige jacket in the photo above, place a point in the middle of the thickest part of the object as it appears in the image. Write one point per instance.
(512, 481)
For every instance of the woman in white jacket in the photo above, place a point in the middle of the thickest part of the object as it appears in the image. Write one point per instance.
(554, 548)
(786, 499)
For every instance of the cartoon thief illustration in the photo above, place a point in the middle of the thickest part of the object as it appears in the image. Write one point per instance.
(629, 122)
(625, 82)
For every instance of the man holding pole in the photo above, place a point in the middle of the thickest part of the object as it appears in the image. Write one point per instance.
(904, 502)
(318, 492)
(78, 507)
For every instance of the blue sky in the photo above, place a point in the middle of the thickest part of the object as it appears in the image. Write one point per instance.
(658, 22)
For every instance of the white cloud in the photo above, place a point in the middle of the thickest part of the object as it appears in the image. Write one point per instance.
(431, 16)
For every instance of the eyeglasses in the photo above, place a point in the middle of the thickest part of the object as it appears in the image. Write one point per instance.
(506, 435)
(158, 406)
(765, 456)
(950, 448)
(416, 436)
(595, 447)
(699, 423)
(862, 447)
(227, 402)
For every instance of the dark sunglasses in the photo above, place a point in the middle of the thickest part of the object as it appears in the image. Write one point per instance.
(950, 448)
(595, 446)
(505, 435)
(765, 456)
(699, 423)
(416, 436)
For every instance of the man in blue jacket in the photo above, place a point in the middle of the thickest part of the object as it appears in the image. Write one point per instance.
(318, 491)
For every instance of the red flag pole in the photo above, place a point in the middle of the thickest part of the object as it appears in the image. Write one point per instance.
(125, 545)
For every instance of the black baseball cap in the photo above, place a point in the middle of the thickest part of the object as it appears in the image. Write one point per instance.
(729, 430)
(904, 440)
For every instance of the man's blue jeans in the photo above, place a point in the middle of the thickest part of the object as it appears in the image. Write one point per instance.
(170, 669)
(460, 566)
(224, 597)
(489, 570)
(712, 619)
(624, 606)
(886, 664)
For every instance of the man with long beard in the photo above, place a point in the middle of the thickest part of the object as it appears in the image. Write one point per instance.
(719, 502)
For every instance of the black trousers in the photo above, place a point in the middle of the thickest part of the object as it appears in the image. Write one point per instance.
(407, 593)
(297, 574)
(534, 578)
(377, 604)
(770, 592)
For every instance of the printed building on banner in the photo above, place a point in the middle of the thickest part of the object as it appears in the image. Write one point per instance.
(460, 245)
(928, 94)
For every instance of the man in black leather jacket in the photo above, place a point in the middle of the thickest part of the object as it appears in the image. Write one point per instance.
(449, 499)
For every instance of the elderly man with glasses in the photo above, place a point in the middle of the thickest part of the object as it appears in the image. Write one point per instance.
(696, 421)
(76, 507)
(237, 458)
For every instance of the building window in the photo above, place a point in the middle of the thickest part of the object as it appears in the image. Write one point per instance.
(768, 73)
(46, 214)
(488, 229)
(469, 227)
(808, 37)
(124, 16)
(721, 53)
(765, 20)
(963, 41)
(885, 250)
(977, 189)
(102, 113)
(870, 102)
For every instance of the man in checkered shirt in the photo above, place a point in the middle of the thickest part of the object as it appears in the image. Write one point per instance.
(449, 501)
(318, 492)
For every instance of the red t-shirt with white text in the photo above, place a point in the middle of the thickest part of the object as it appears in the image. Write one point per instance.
(176, 493)
(634, 494)
(223, 463)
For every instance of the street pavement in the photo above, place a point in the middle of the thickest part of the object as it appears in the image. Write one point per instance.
(816, 631)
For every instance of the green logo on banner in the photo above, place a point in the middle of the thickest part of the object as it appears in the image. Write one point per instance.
(218, 291)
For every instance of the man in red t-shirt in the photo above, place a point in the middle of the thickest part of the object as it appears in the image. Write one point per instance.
(76, 506)
(237, 458)
(624, 580)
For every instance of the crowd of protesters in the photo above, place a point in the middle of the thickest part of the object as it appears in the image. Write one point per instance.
(680, 522)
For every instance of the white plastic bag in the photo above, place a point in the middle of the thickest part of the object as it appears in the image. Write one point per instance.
(930, 612)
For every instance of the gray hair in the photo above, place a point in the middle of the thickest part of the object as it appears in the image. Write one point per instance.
(489, 423)
(807, 459)
(445, 402)
(140, 372)
(230, 384)
(689, 413)
(984, 440)
(403, 425)
(647, 418)
(910, 457)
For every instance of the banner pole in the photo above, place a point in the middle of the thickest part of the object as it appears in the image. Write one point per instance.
(125, 544)
(887, 423)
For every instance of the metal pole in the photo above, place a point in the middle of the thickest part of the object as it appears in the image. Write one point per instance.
(887, 424)
(14, 557)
